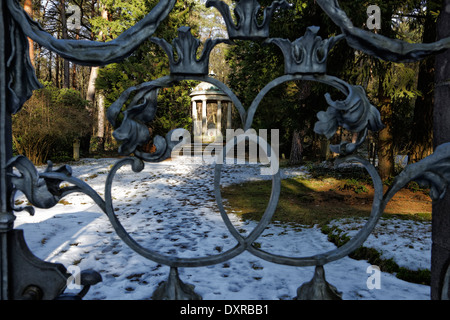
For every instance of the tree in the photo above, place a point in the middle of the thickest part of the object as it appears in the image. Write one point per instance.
(422, 133)
(390, 86)
(211, 26)
(100, 128)
(440, 259)
(64, 33)
(28, 7)
(401, 90)
(291, 107)
(148, 62)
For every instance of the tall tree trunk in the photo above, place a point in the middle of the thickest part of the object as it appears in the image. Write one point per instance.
(440, 257)
(38, 62)
(50, 66)
(28, 8)
(57, 67)
(385, 136)
(91, 92)
(296, 155)
(74, 70)
(57, 71)
(100, 123)
(90, 96)
(64, 33)
(422, 133)
(101, 103)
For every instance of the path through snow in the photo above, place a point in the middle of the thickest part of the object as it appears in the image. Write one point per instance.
(170, 207)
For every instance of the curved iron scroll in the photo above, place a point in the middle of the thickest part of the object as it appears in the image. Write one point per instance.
(354, 113)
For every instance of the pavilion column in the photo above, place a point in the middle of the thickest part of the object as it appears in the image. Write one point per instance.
(204, 126)
(229, 115)
(219, 119)
(195, 118)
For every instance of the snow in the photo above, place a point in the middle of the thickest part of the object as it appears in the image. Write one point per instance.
(170, 208)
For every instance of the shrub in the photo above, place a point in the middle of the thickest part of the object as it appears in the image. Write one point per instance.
(49, 122)
(354, 185)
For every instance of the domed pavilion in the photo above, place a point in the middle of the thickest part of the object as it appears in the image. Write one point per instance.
(211, 113)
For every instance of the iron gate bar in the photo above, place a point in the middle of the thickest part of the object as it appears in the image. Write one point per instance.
(356, 113)
(6, 219)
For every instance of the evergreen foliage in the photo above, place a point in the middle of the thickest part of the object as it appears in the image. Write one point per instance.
(403, 92)
(148, 63)
(293, 106)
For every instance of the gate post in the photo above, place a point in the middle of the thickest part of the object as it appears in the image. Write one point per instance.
(6, 216)
(441, 216)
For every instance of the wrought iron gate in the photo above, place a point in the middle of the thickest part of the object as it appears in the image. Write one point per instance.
(24, 276)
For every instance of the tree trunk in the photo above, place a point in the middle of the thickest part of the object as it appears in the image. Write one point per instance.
(50, 66)
(422, 133)
(66, 66)
(296, 155)
(101, 123)
(57, 67)
(28, 8)
(90, 96)
(74, 71)
(385, 136)
(85, 142)
(440, 256)
(38, 62)
(100, 129)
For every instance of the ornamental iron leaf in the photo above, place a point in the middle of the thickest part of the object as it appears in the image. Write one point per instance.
(186, 47)
(355, 114)
(377, 45)
(93, 53)
(133, 130)
(433, 171)
(41, 192)
(307, 54)
(21, 78)
(247, 26)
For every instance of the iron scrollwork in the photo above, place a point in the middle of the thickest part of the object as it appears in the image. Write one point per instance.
(305, 59)
(247, 26)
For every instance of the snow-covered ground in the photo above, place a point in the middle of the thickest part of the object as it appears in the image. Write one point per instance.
(170, 208)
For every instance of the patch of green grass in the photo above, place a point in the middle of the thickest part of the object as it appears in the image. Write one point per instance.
(317, 201)
(373, 256)
(299, 202)
(420, 216)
